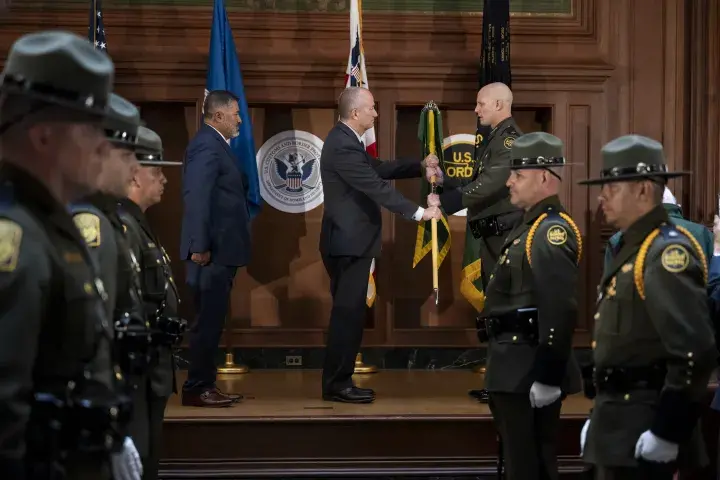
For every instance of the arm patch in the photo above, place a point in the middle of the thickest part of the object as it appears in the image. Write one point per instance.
(89, 226)
(10, 238)
(556, 235)
(675, 258)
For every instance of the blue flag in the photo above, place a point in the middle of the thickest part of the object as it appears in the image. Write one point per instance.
(224, 74)
(96, 26)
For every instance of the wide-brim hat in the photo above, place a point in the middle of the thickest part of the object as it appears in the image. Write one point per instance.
(59, 68)
(122, 123)
(536, 150)
(149, 150)
(632, 157)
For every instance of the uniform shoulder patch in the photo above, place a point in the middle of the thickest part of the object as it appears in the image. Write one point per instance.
(557, 235)
(508, 142)
(89, 226)
(10, 238)
(675, 258)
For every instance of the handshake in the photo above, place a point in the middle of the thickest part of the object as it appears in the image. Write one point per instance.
(432, 169)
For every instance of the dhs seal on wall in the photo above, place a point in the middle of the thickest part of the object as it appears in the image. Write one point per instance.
(289, 168)
(458, 151)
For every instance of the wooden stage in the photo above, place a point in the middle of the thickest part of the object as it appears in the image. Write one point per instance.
(423, 424)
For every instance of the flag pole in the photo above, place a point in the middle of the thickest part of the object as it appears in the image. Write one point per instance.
(430, 106)
(230, 367)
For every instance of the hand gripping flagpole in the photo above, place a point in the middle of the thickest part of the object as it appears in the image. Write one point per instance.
(430, 107)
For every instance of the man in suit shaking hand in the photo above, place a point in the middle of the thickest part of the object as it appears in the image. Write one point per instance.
(355, 186)
(215, 239)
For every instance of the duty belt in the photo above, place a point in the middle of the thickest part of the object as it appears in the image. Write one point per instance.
(522, 322)
(625, 379)
(494, 225)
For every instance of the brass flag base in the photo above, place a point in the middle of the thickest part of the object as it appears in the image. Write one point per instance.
(231, 367)
(479, 369)
(360, 367)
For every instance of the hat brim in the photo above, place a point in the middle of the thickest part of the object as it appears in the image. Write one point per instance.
(160, 163)
(635, 176)
(532, 167)
(94, 112)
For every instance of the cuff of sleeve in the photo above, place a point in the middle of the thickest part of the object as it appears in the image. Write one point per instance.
(451, 200)
(417, 216)
(549, 367)
(676, 416)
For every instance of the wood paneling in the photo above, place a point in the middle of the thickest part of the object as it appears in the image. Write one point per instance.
(609, 68)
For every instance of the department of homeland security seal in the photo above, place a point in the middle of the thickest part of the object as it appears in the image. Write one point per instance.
(458, 151)
(289, 168)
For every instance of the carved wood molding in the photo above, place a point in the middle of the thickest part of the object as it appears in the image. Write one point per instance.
(165, 48)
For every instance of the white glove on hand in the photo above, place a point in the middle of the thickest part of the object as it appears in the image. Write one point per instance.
(542, 395)
(583, 436)
(655, 449)
(126, 464)
(716, 234)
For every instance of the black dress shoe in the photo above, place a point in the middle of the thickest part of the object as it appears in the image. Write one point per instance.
(349, 395)
(481, 396)
(368, 391)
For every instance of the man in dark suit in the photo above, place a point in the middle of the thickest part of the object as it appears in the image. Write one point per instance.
(355, 185)
(215, 240)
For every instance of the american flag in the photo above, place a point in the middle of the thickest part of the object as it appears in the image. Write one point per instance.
(355, 74)
(96, 26)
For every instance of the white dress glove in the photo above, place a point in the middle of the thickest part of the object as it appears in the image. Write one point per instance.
(655, 449)
(583, 436)
(542, 395)
(126, 464)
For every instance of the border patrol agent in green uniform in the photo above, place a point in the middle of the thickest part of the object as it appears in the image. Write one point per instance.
(98, 219)
(60, 393)
(654, 347)
(531, 311)
(490, 213)
(160, 295)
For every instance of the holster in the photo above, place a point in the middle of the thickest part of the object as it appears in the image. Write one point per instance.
(494, 225)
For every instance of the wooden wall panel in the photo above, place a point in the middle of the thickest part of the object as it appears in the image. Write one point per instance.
(606, 69)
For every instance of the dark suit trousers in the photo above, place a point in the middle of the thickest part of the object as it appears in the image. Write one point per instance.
(146, 427)
(348, 287)
(529, 436)
(212, 285)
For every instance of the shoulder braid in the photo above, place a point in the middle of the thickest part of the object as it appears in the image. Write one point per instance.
(639, 270)
(536, 225)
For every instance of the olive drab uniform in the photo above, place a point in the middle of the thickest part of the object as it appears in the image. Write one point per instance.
(490, 214)
(653, 347)
(98, 221)
(530, 315)
(161, 299)
(57, 338)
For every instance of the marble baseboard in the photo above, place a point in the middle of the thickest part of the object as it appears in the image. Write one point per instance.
(409, 358)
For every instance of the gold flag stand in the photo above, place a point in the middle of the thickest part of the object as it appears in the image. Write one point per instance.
(230, 367)
(362, 368)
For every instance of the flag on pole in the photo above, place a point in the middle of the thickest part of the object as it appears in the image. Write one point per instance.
(96, 26)
(224, 74)
(431, 138)
(356, 76)
(494, 67)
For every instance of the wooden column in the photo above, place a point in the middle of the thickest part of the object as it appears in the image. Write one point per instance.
(703, 122)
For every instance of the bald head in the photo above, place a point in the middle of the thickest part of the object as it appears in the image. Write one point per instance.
(356, 107)
(494, 103)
